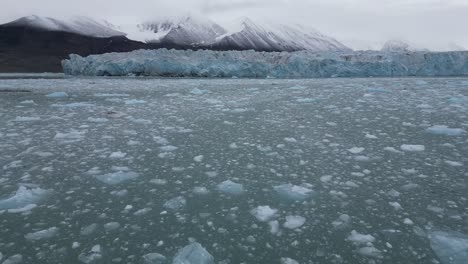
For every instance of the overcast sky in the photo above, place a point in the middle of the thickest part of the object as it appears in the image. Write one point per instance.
(435, 24)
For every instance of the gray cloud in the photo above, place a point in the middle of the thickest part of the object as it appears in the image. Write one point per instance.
(359, 23)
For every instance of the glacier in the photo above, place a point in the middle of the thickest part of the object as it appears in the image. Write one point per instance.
(252, 64)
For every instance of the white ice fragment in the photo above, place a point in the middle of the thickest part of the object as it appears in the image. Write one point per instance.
(198, 158)
(392, 149)
(200, 190)
(92, 256)
(288, 261)
(326, 178)
(412, 148)
(97, 119)
(117, 155)
(57, 95)
(294, 221)
(356, 150)
(154, 258)
(290, 192)
(274, 227)
(42, 234)
(369, 251)
(444, 130)
(290, 140)
(342, 221)
(111, 226)
(194, 253)
(15, 259)
(134, 102)
(395, 205)
(73, 135)
(89, 229)
(264, 213)
(197, 91)
(24, 199)
(73, 105)
(117, 177)
(26, 118)
(450, 247)
(176, 203)
(453, 163)
(408, 221)
(358, 238)
(230, 187)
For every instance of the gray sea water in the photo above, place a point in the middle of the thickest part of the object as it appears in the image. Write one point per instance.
(132, 170)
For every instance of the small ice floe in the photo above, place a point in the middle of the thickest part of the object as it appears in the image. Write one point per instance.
(134, 102)
(200, 190)
(89, 229)
(392, 149)
(358, 238)
(294, 221)
(453, 163)
(73, 105)
(92, 256)
(231, 188)
(369, 251)
(370, 136)
(111, 226)
(450, 247)
(57, 95)
(176, 204)
(42, 234)
(168, 148)
(154, 258)
(15, 259)
(26, 118)
(395, 205)
(343, 221)
(97, 120)
(71, 136)
(198, 158)
(288, 261)
(117, 155)
(445, 131)
(119, 176)
(291, 193)
(110, 95)
(24, 199)
(194, 253)
(412, 148)
(274, 227)
(356, 150)
(197, 91)
(27, 102)
(290, 139)
(264, 213)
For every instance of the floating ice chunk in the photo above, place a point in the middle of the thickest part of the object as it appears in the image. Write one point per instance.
(369, 251)
(294, 221)
(197, 91)
(97, 119)
(288, 261)
(264, 213)
(117, 177)
(93, 256)
(450, 247)
(199, 190)
(154, 258)
(198, 158)
(230, 187)
(111, 226)
(392, 149)
(110, 95)
(356, 150)
(453, 163)
(176, 204)
(326, 178)
(70, 136)
(408, 221)
(15, 259)
(26, 118)
(57, 95)
(134, 102)
(27, 208)
(291, 192)
(274, 227)
(290, 140)
(73, 105)
(412, 148)
(342, 221)
(193, 254)
(444, 130)
(24, 199)
(88, 230)
(358, 238)
(395, 205)
(43, 234)
(117, 155)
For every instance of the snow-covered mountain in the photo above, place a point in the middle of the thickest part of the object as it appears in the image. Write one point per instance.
(79, 25)
(183, 31)
(243, 34)
(247, 34)
(396, 45)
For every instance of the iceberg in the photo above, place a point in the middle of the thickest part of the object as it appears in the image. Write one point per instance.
(24, 199)
(252, 64)
(450, 247)
(230, 188)
(194, 253)
(292, 193)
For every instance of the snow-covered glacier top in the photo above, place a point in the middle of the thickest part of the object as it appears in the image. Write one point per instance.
(251, 64)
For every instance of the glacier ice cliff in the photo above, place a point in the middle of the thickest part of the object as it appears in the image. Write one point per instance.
(251, 64)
